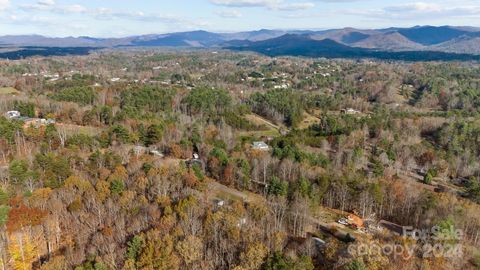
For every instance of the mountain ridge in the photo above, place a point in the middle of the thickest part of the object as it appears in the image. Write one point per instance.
(298, 45)
(446, 39)
(422, 36)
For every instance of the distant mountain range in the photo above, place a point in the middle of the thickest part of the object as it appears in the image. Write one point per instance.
(303, 45)
(347, 42)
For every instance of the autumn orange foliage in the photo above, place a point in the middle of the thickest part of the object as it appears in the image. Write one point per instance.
(20, 216)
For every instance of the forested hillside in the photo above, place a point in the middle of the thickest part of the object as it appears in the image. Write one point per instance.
(145, 159)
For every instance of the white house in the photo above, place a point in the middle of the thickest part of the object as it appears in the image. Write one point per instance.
(12, 114)
(260, 146)
(350, 111)
(282, 86)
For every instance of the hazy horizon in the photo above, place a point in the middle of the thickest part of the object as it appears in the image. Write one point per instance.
(64, 18)
(232, 31)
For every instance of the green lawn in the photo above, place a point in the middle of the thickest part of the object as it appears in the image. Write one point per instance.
(260, 133)
(268, 129)
(75, 129)
(308, 120)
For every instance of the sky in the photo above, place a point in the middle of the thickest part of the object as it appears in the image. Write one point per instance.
(120, 18)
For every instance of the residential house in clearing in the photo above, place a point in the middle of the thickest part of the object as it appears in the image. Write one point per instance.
(35, 122)
(262, 146)
(196, 161)
(281, 86)
(355, 221)
(12, 114)
(350, 111)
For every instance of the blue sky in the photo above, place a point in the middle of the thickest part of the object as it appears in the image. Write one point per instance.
(115, 18)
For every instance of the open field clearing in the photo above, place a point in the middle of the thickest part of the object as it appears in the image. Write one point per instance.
(308, 120)
(71, 129)
(269, 129)
(8, 91)
(259, 121)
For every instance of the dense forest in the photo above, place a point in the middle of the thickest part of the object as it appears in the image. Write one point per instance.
(144, 159)
(29, 51)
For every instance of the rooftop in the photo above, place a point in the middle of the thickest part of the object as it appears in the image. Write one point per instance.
(260, 145)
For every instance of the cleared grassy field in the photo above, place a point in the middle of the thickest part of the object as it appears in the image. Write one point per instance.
(260, 133)
(271, 130)
(8, 91)
(308, 120)
(259, 121)
(75, 129)
(219, 191)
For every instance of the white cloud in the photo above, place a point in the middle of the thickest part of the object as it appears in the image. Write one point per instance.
(229, 13)
(43, 11)
(270, 4)
(73, 9)
(41, 5)
(422, 11)
(4, 4)
(246, 3)
(100, 13)
(29, 20)
(109, 14)
(46, 2)
(415, 7)
(295, 6)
